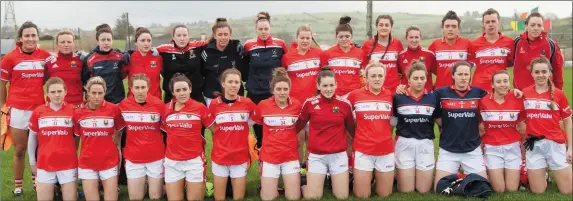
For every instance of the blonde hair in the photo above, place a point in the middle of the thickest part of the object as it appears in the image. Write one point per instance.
(543, 60)
(416, 66)
(54, 80)
(97, 80)
(306, 27)
(374, 64)
(139, 76)
(64, 32)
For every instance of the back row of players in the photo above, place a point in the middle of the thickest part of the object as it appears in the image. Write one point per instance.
(203, 64)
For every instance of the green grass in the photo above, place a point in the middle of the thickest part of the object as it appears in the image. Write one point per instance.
(253, 179)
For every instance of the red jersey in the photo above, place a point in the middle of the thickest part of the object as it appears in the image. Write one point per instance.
(500, 120)
(302, 71)
(489, 58)
(373, 130)
(231, 137)
(279, 129)
(446, 56)
(56, 143)
(527, 50)
(407, 56)
(69, 68)
(25, 72)
(149, 65)
(389, 60)
(183, 130)
(543, 117)
(328, 121)
(346, 67)
(144, 141)
(97, 130)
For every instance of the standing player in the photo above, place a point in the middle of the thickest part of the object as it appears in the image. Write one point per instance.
(279, 156)
(107, 63)
(344, 59)
(449, 49)
(330, 119)
(68, 66)
(385, 48)
(302, 64)
(185, 162)
(490, 52)
(373, 143)
(415, 52)
(416, 111)
(545, 144)
(531, 44)
(143, 61)
(98, 122)
(23, 68)
(144, 149)
(262, 55)
(503, 116)
(230, 155)
(52, 127)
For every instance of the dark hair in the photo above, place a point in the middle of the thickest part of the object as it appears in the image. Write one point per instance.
(498, 73)
(220, 23)
(262, 19)
(344, 25)
(413, 28)
(416, 66)
(324, 72)
(388, 17)
(460, 63)
(264, 14)
(490, 11)
(178, 77)
(224, 75)
(177, 27)
(451, 15)
(103, 28)
(279, 75)
(141, 30)
(533, 15)
(543, 60)
(26, 25)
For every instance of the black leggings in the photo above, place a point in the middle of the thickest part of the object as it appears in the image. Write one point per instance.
(256, 98)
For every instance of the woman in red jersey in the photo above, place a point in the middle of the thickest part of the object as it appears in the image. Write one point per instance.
(67, 65)
(302, 65)
(385, 48)
(330, 119)
(143, 61)
(503, 116)
(51, 126)
(144, 149)
(23, 68)
(416, 52)
(185, 155)
(373, 143)
(344, 59)
(546, 142)
(98, 123)
(230, 155)
(278, 115)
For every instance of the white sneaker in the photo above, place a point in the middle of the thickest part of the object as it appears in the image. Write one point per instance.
(17, 192)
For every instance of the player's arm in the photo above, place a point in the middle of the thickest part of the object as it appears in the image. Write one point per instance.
(557, 63)
(3, 92)
(32, 145)
(5, 74)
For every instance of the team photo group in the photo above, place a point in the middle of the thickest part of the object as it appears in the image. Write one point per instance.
(355, 118)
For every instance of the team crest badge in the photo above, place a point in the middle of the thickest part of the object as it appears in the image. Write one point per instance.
(503, 51)
(422, 59)
(173, 57)
(335, 109)
(153, 64)
(543, 52)
(473, 104)
(233, 63)
(428, 109)
(511, 115)
(73, 64)
(550, 106)
(293, 120)
(355, 63)
(105, 122)
(67, 121)
(153, 117)
(461, 55)
(242, 116)
(315, 63)
(188, 116)
(387, 106)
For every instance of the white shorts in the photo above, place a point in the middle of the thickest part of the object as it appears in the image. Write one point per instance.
(332, 163)
(365, 162)
(275, 170)
(547, 152)
(61, 177)
(101, 175)
(506, 156)
(235, 171)
(137, 170)
(471, 162)
(193, 170)
(412, 152)
(20, 119)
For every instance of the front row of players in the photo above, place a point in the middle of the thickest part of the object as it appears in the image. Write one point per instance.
(364, 119)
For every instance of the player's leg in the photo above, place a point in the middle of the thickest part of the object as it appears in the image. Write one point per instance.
(135, 180)
(316, 173)
(291, 179)
(405, 165)
(362, 173)
(338, 168)
(384, 174)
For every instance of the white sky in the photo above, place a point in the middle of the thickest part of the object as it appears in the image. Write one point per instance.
(88, 14)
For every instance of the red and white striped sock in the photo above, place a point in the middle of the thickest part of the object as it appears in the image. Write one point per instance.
(18, 183)
(34, 179)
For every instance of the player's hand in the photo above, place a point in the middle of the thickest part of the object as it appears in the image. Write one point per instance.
(401, 89)
(569, 155)
(517, 93)
(34, 169)
(154, 51)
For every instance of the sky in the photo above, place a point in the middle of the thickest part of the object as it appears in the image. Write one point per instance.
(89, 14)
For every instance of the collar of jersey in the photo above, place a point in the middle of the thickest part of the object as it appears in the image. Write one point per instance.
(262, 42)
(458, 38)
(462, 94)
(48, 105)
(173, 101)
(410, 95)
(220, 101)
